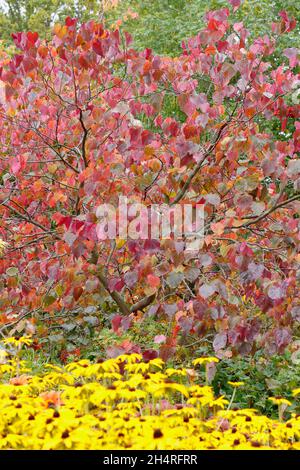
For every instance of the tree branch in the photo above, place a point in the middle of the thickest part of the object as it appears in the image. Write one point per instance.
(268, 212)
(210, 149)
(85, 134)
(143, 303)
(114, 294)
(27, 219)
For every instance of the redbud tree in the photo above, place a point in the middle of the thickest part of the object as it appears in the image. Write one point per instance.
(85, 119)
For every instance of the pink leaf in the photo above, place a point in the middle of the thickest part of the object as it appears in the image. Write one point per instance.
(218, 228)
(235, 4)
(159, 339)
(220, 341)
(116, 323)
(15, 166)
(116, 284)
(293, 54)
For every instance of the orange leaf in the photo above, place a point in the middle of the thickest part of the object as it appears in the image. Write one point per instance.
(218, 228)
(153, 281)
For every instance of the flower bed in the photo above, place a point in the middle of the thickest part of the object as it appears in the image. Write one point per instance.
(125, 403)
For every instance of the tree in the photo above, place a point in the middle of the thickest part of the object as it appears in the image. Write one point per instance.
(83, 122)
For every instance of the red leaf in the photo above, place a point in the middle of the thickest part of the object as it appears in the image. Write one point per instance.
(116, 323)
(70, 21)
(153, 281)
(235, 4)
(190, 131)
(32, 37)
(166, 352)
(77, 292)
(149, 354)
(97, 47)
(116, 284)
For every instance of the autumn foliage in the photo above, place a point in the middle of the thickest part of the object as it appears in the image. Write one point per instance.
(84, 119)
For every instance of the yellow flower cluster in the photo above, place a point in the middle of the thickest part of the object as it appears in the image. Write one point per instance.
(126, 403)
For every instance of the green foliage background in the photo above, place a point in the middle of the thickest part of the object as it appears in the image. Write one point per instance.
(161, 24)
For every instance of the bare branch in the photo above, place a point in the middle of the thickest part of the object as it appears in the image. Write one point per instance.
(268, 212)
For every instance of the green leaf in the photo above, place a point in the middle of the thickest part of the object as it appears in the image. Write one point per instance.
(49, 300)
(13, 271)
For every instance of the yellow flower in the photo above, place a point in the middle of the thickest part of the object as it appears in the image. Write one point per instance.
(205, 360)
(236, 384)
(17, 342)
(160, 390)
(157, 362)
(111, 365)
(53, 367)
(137, 367)
(129, 358)
(132, 394)
(170, 372)
(220, 402)
(186, 412)
(74, 366)
(198, 391)
(296, 392)
(280, 401)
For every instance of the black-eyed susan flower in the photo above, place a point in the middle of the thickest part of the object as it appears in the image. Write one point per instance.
(179, 372)
(205, 360)
(236, 384)
(280, 401)
(17, 342)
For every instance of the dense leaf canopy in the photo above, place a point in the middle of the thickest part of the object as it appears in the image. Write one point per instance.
(84, 119)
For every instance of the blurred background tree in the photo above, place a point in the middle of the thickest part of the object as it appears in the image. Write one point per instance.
(163, 24)
(159, 24)
(40, 15)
